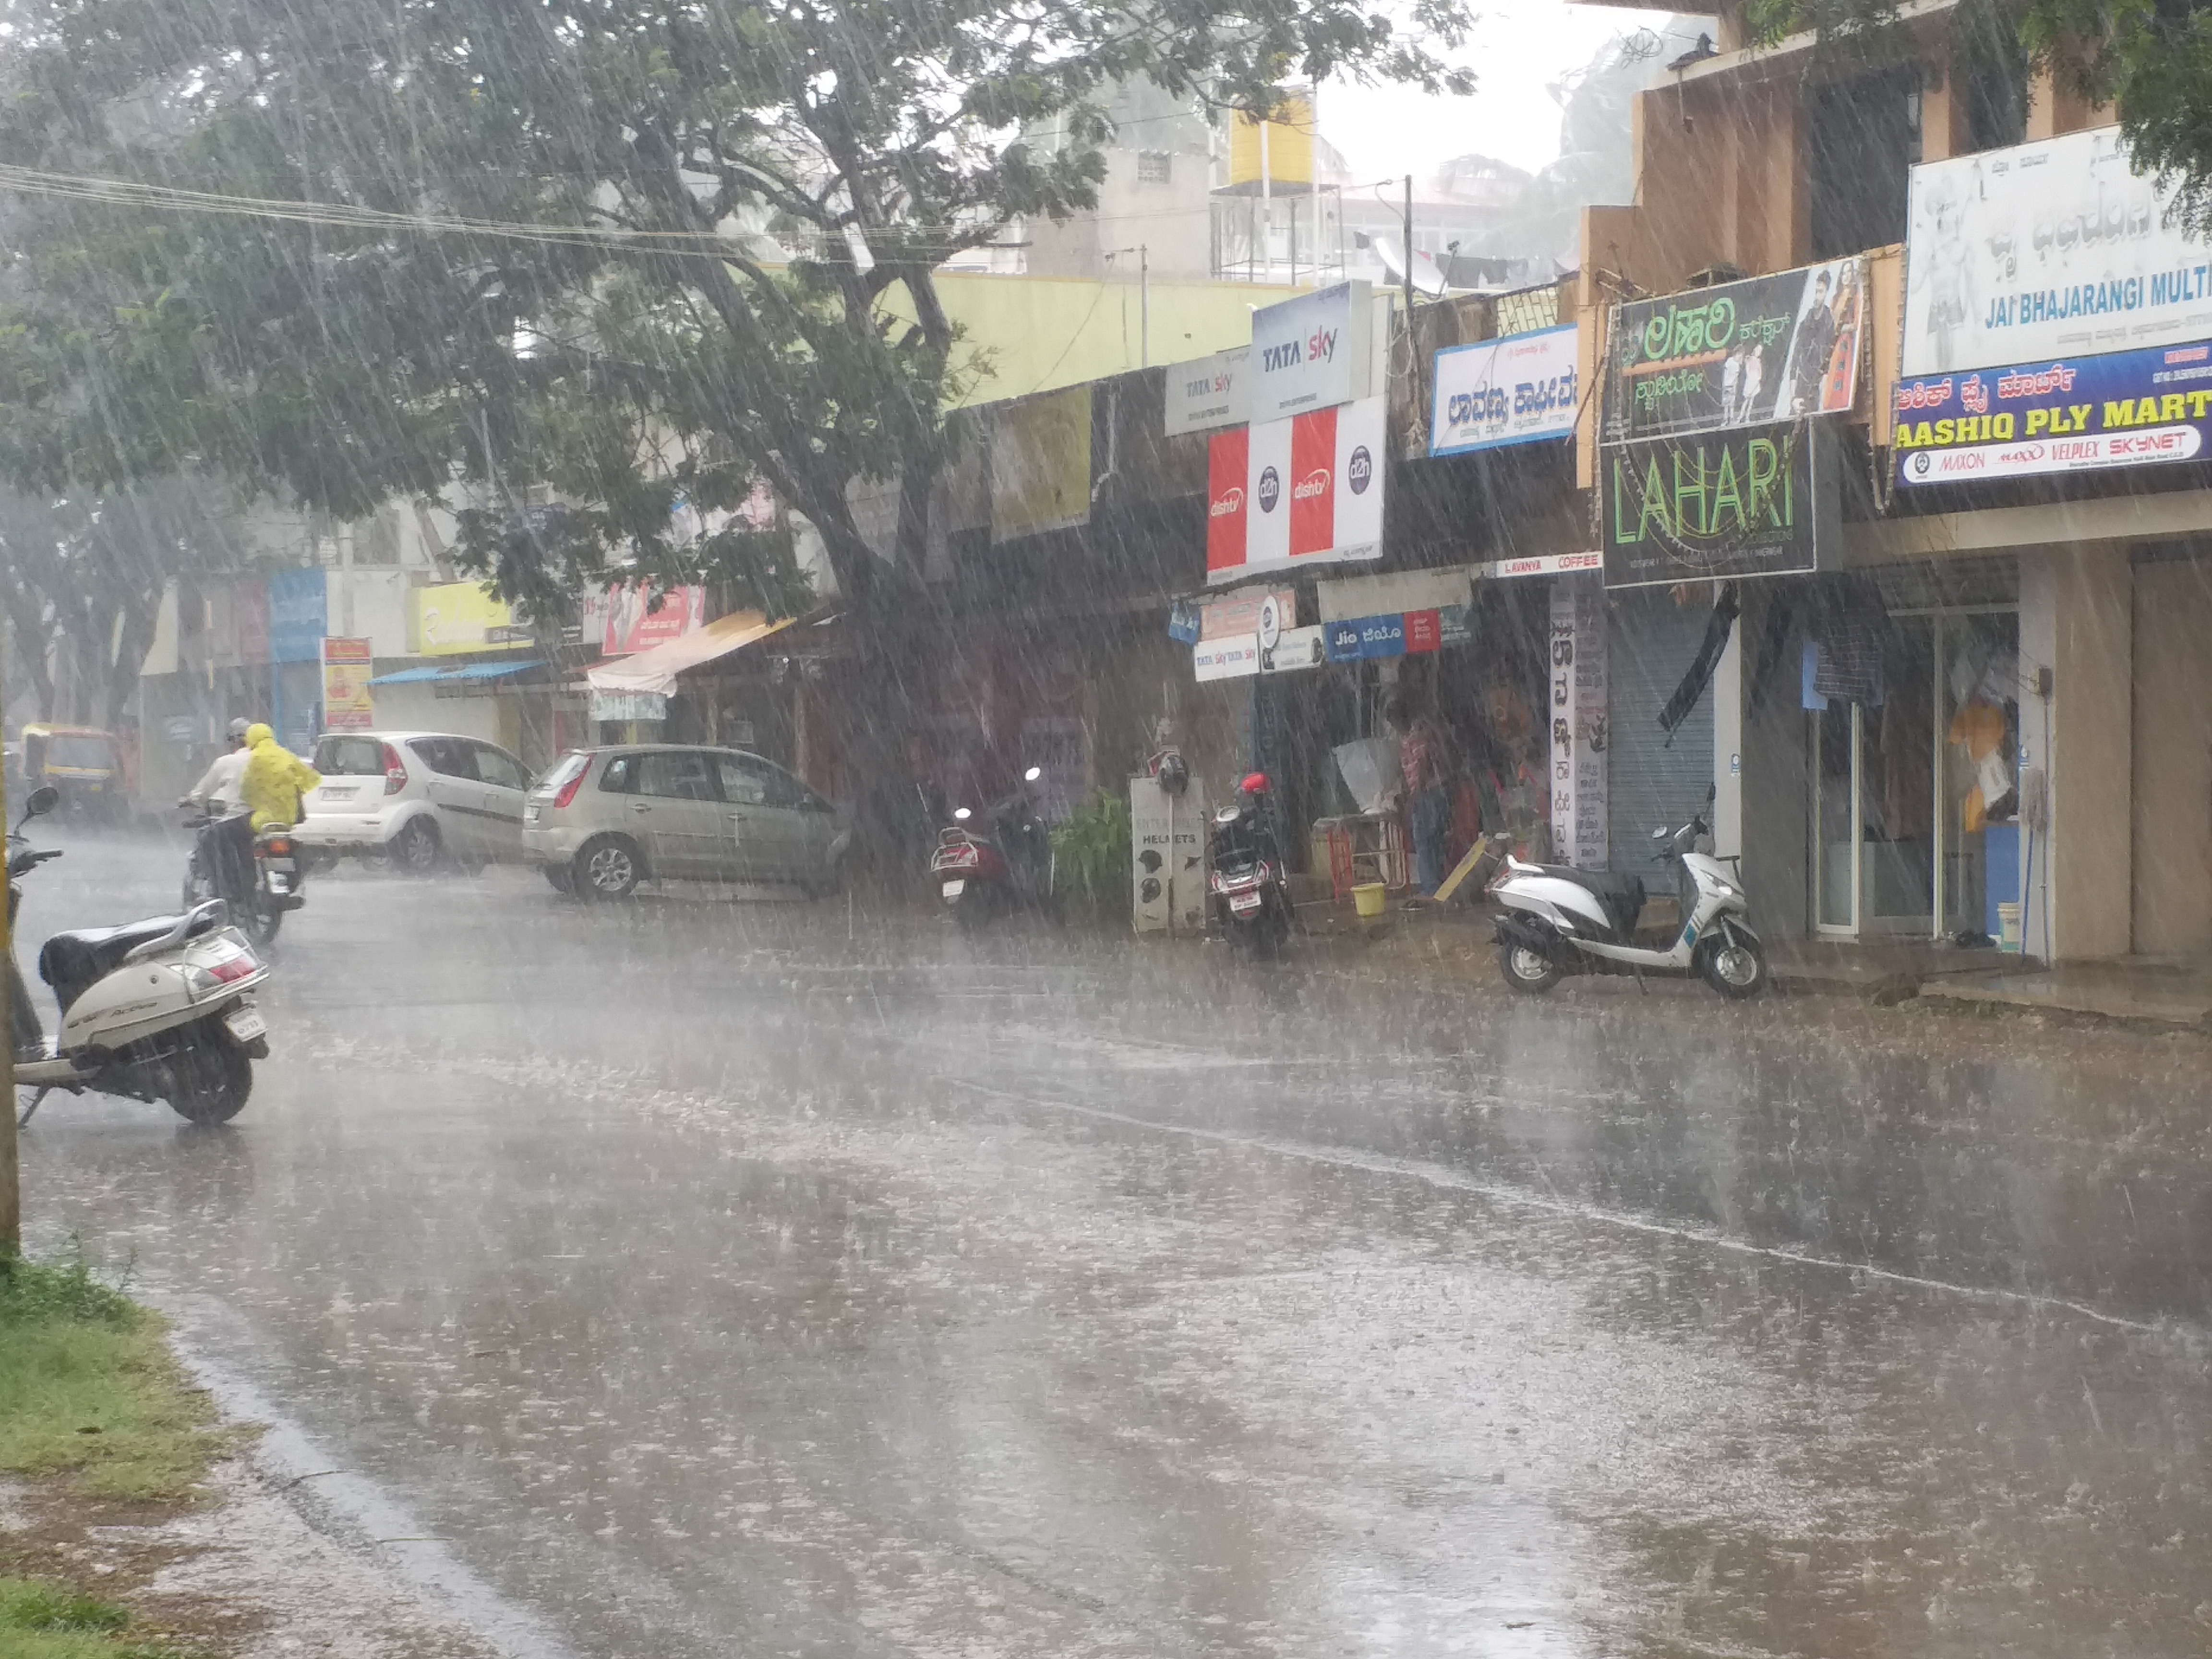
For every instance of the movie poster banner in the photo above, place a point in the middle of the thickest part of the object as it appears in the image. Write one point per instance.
(1771, 348)
(2053, 249)
(2081, 415)
(1719, 504)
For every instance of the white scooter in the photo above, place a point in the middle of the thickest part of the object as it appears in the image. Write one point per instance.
(158, 1010)
(1552, 921)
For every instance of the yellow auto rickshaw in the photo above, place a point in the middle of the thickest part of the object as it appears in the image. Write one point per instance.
(84, 763)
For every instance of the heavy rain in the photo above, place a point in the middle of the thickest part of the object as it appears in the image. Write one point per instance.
(957, 826)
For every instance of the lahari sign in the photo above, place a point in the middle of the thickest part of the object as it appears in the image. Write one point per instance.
(1308, 490)
(1772, 348)
(1517, 390)
(1734, 503)
(2085, 414)
(2052, 249)
(1313, 352)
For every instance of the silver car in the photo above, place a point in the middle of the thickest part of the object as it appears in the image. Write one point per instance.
(602, 820)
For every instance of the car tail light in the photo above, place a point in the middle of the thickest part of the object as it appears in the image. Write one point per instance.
(395, 775)
(569, 789)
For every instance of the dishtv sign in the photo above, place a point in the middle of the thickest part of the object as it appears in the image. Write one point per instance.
(1304, 490)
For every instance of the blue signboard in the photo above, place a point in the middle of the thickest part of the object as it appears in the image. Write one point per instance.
(297, 615)
(2074, 415)
(1411, 633)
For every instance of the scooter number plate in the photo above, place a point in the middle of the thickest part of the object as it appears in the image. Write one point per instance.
(955, 889)
(279, 884)
(245, 1025)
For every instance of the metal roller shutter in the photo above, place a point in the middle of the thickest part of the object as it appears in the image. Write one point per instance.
(1650, 783)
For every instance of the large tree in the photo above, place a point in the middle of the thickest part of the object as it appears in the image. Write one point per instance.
(687, 219)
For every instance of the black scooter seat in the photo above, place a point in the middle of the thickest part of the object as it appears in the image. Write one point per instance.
(72, 961)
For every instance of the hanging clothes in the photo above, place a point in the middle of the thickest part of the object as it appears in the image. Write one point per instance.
(1851, 627)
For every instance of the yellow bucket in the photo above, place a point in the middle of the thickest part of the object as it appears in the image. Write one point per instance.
(1368, 897)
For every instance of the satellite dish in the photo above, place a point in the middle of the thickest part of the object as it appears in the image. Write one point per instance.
(1427, 279)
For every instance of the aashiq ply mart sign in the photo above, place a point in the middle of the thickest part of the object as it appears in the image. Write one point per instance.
(2053, 249)
(1515, 390)
(1302, 491)
(1313, 352)
(2082, 415)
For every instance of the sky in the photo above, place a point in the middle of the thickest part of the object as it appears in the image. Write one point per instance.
(1517, 48)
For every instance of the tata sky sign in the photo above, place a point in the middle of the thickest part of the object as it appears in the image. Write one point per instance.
(1207, 393)
(2054, 250)
(1517, 390)
(1314, 352)
(2075, 415)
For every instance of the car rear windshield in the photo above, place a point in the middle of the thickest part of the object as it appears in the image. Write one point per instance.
(563, 771)
(350, 757)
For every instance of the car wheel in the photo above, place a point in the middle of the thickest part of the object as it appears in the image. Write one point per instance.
(606, 868)
(417, 848)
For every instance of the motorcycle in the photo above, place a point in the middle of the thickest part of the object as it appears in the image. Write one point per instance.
(160, 1009)
(1002, 862)
(1251, 889)
(279, 876)
(1551, 921)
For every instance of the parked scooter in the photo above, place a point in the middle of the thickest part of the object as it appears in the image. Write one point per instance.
(158, 1010)
(1552, 921)
(1000, 861)
(1251, 889)
(279, 875)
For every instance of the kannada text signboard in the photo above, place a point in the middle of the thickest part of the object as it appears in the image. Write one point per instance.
(2053, 249)
(1771, 348)
(1515, 390)
(2079, 414)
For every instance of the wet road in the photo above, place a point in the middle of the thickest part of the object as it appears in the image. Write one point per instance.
(757, 1278)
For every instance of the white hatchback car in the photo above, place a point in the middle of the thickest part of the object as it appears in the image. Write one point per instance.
(418, 797)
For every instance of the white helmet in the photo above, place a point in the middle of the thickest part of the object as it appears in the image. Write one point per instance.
(238, 729)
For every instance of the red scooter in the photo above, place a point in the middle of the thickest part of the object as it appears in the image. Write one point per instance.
(999, 862)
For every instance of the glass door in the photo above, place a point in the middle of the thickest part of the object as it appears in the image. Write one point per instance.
(1897, 757)
(1978, 751)
(1835, 819)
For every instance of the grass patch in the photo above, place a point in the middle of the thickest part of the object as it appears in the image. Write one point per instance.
(40, 1620)
(88, 1389)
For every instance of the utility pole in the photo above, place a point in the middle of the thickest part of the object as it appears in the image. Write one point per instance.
(1143, 306)
(11, 1191)
(1409, 260)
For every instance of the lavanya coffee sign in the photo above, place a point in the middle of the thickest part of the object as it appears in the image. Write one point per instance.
(1721, 504)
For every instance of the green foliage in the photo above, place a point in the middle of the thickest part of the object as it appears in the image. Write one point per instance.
(88, 1388)
(614, 326)
(1091, 852)
(43, 1621)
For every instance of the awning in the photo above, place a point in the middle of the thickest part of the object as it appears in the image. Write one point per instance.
(475, 671)
(655, 671)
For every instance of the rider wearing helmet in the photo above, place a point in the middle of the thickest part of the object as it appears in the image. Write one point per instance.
(217, 789)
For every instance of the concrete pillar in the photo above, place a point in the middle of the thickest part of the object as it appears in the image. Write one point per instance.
(2077, 622)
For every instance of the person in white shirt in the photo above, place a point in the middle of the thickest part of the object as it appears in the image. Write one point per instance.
(217, 789)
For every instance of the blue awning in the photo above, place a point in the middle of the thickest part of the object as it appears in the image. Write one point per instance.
(475, 671)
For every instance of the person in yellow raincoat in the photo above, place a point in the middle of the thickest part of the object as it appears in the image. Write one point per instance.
(274, 780)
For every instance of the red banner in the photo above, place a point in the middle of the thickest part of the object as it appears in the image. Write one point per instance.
(1224, 498)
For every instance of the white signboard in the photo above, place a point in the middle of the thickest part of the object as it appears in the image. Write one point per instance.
(1578, 723)
(1294, 649)
(1167, 848)
(2045, 250)
(1206, 393)
(1543, 564)
(1288, 493)
(1313, 352)
(1517, 390)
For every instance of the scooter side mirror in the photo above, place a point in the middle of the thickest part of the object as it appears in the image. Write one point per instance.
(43, 799)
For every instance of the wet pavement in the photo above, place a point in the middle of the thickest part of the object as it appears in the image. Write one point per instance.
(758, 1277)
